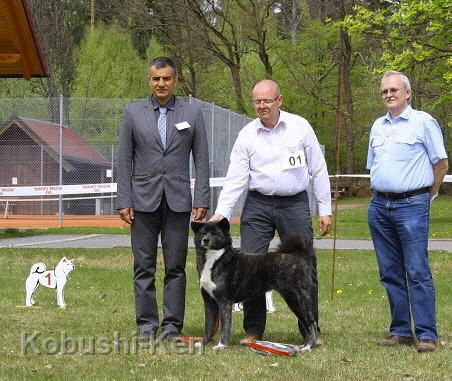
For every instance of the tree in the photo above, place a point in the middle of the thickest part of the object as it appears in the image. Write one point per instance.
(291, 14)
(223, 37)
(60, 25)
(178, 32)
(258, 16)
(109, 67)
(413, 36)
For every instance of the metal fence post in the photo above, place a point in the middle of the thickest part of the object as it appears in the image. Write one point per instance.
(190, 170)
(112, 175)
(42, 176)
(60, 198)
(229, 132)
(211, 154)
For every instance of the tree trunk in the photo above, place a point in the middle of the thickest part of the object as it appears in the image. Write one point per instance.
(296, 19)
(93, 15)
(348, 98)
(237, 82)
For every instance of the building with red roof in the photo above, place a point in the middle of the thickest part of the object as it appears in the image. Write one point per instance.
(30, 156)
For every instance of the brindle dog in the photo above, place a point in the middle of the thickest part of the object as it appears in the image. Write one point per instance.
(228, 275)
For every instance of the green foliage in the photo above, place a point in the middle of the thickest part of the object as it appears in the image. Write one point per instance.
(109, 67)
(304, 50)
(155, 49)
(20, 88)
(351, 221)
(413, 36)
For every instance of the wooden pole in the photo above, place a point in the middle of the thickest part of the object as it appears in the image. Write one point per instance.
(336, 190)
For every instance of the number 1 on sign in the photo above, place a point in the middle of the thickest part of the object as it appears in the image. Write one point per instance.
(48, 278)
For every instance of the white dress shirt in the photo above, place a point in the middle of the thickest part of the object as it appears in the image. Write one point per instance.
(276, 162)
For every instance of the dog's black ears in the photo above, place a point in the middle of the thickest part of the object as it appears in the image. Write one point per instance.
(195, 226)
(224, 225)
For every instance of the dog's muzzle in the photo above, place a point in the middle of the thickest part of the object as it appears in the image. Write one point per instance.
(205, 242)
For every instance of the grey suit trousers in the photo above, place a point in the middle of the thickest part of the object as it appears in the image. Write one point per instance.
(261, 217)
(173, 227)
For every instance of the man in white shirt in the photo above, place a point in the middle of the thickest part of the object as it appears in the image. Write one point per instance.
(273, 159)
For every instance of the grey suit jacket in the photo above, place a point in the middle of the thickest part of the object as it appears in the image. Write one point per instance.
(146, 170)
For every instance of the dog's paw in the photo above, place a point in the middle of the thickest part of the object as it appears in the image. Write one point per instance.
(63, 306)
(219, 346)
(304, 348)
(199, 344)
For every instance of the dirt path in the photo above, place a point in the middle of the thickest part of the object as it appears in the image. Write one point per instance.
(52, 221)
(14, 221)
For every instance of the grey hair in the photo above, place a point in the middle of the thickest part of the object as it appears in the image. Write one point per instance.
(403, 77)
(161, 62)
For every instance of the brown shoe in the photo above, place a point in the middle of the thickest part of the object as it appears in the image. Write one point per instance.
(396, 340)
(249, 339)
(425, 345)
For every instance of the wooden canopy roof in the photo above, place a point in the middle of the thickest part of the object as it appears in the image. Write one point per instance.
(20, 55)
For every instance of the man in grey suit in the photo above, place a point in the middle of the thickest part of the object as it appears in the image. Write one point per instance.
(154, 196)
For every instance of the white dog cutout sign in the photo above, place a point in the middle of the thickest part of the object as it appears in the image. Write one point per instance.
(56, 278)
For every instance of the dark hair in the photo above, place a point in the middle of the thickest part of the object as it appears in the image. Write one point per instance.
(161, 62)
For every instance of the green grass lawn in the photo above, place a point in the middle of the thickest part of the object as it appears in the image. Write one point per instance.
(100, 302)
(352, 223)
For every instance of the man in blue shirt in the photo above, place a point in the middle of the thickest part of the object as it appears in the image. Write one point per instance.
(407, 162)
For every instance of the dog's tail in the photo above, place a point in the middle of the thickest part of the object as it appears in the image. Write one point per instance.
(38, 268)
(297, 245)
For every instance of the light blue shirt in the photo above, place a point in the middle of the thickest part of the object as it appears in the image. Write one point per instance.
(402, 151)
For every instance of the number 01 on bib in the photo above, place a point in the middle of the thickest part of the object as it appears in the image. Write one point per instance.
(293, 160)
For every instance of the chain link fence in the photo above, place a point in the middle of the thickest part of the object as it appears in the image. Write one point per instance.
(63, 141)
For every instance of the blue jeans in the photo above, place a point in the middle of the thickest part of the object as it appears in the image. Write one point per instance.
(399, 230)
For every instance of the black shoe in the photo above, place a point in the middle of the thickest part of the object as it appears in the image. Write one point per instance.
(173, 337)
(146, 335)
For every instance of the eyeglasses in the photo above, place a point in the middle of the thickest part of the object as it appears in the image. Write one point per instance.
(266, 102)
(386, 91)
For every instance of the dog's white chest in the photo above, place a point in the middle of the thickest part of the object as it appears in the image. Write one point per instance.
(206, 276)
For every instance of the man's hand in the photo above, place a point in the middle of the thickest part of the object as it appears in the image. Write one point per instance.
(439, 171)
(325, 224)
(126, 215)
(216, 217)
(199, 214)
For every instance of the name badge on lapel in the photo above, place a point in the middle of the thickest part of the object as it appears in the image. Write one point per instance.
(182, 126)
